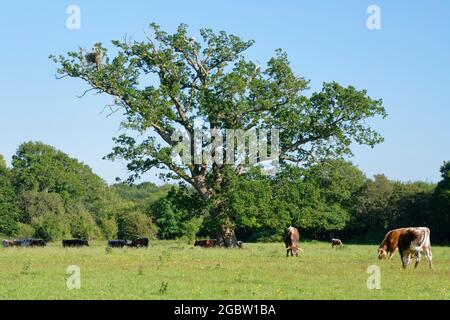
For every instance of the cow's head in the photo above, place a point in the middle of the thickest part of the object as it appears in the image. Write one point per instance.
(294, 249)
(382, 253)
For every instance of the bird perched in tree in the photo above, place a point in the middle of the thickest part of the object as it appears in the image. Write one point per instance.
(95, 57)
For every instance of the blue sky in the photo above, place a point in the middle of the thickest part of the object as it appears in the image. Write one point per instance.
(407, 63)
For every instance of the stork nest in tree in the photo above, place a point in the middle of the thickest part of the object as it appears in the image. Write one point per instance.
(91, 57)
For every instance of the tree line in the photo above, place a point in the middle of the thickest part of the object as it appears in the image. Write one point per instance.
(47, 194)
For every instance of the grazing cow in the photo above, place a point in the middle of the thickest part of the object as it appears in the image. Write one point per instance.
(7, 243)
(337, 243)
(31, 243)
(389, 246)
(410, 242)
(205, 243)
(18, 243)
(139, 243)
(291, 238)
(117, 243)
(75, 243)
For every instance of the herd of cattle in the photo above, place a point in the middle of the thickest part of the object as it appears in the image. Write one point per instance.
(409, 242)
(140, 242)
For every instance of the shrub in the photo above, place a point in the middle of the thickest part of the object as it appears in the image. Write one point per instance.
(83, 226)
(191, 228)
(136, 224)
(51, 227)
(24, 231)
(108, 228)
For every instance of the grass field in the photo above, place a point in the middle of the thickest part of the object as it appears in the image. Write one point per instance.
(173, 270)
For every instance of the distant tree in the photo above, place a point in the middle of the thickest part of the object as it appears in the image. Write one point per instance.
(212, 81)
(2, 162)
(178, 213)
(142, 195)
(83, 225)
(371, 214)
(51, 227)
(42, 168)
(316, 199)
(338, 181)
(411, 204)
(108, 227)
(249, 201)
(441, 204)
(9, 213)
(45, 213)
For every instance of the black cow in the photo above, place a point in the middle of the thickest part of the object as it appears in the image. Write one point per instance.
(139, 242)
(117, 243)
(17, 243)
(31, 243)
(77, 243)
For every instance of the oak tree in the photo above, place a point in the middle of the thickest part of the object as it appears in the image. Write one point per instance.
(169, 81)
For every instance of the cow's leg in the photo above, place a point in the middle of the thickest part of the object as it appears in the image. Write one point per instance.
(287, 252)
(391, 254)
(404, 258)
(429, 256)
(417, 260)
(410, 256)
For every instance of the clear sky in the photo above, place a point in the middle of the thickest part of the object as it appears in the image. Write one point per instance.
(407, 63)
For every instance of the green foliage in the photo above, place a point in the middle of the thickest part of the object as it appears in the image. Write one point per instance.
(45, 213)
(36, 204)
(9, 213)
(83, 226)
(108, 228)
(136, 224)
(248, 202)
(191, 228)
(24, 231)
(51, 227)
(316, 199)
(59, 196)
(145, 193)
(2, 162)
(42, 168)
(382, 205)
(441, 205)
(179, 214)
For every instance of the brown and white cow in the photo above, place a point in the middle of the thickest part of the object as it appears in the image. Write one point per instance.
(205, 243)
(410, 242)
(389, 246)
(336, 243)
(291, 238)
(7, 243)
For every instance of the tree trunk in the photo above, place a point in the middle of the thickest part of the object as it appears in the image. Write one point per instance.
(225, 237)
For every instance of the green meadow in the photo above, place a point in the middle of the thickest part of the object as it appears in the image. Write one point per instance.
(175, 270)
